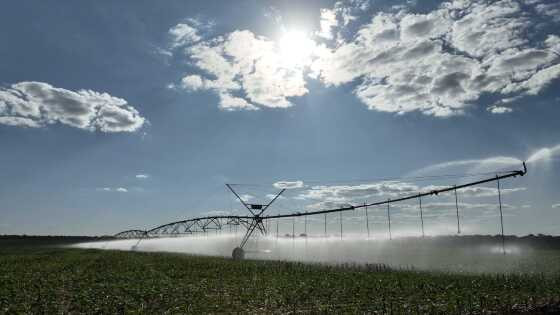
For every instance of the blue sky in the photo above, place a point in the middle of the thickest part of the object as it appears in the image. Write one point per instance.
(133, 114)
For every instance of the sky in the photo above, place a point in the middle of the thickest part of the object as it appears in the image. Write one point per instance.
(132, 114)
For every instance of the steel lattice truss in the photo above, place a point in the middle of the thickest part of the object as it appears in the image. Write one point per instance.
(189, 227)
(255, 221)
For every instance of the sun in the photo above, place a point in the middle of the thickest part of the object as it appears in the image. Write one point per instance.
(295, 47)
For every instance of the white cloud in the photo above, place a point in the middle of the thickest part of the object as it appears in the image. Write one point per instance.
(37, 104)
(19, 121)
(336, 195)
(288, 184)
(392, 189)
(142, 176)
(557, 205)
(184, 34)
(192, 82)
(247, 71)
(326, 205)
(495, 109)
(232, 103)
(553, 42)
(438, 63)
(328, 21)
(441, 62)
(111, 189)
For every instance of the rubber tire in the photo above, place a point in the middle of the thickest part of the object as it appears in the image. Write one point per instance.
(238, 253)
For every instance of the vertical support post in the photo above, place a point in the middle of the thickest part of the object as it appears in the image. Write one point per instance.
(421, 215)
(457, 208)
(277, 228)
(305, 226)
(325, 225)
(367, 219)
(293, 227)
(389, 218)
(340, 214)
(501, 216)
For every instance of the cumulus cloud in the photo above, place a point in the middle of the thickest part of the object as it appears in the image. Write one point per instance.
(438, 63)
(247, 65)
(441, 62)
(37, 104)
(142, 176)
(232, 103)
(185, 33)
(18, 121)
(192, 82)
(327, 23)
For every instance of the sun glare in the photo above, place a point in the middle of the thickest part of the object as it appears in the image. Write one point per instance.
(295, 48)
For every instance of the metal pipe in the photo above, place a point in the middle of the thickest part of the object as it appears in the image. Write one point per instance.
(389, 218)
(457, 208)
(325, 225)
(421, 215)
(501, 217)
(340, 225)
(367, 221)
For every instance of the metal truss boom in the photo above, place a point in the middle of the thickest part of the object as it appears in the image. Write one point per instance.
(255, 220)
(419, 195)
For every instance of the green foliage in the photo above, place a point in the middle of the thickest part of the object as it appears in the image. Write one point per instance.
(58, 280)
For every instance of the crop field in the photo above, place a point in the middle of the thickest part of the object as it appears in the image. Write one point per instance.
(47, 278)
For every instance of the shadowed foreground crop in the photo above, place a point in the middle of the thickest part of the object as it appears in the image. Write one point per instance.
(58, 280)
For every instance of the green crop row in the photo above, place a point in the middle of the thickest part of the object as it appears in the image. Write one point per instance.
(108, 282)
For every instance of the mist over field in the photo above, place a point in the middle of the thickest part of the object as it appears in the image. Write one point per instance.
(455, 254)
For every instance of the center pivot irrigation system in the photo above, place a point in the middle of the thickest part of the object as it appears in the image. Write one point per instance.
(256, 220)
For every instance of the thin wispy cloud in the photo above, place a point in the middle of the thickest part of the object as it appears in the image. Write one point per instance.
(113, 189)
